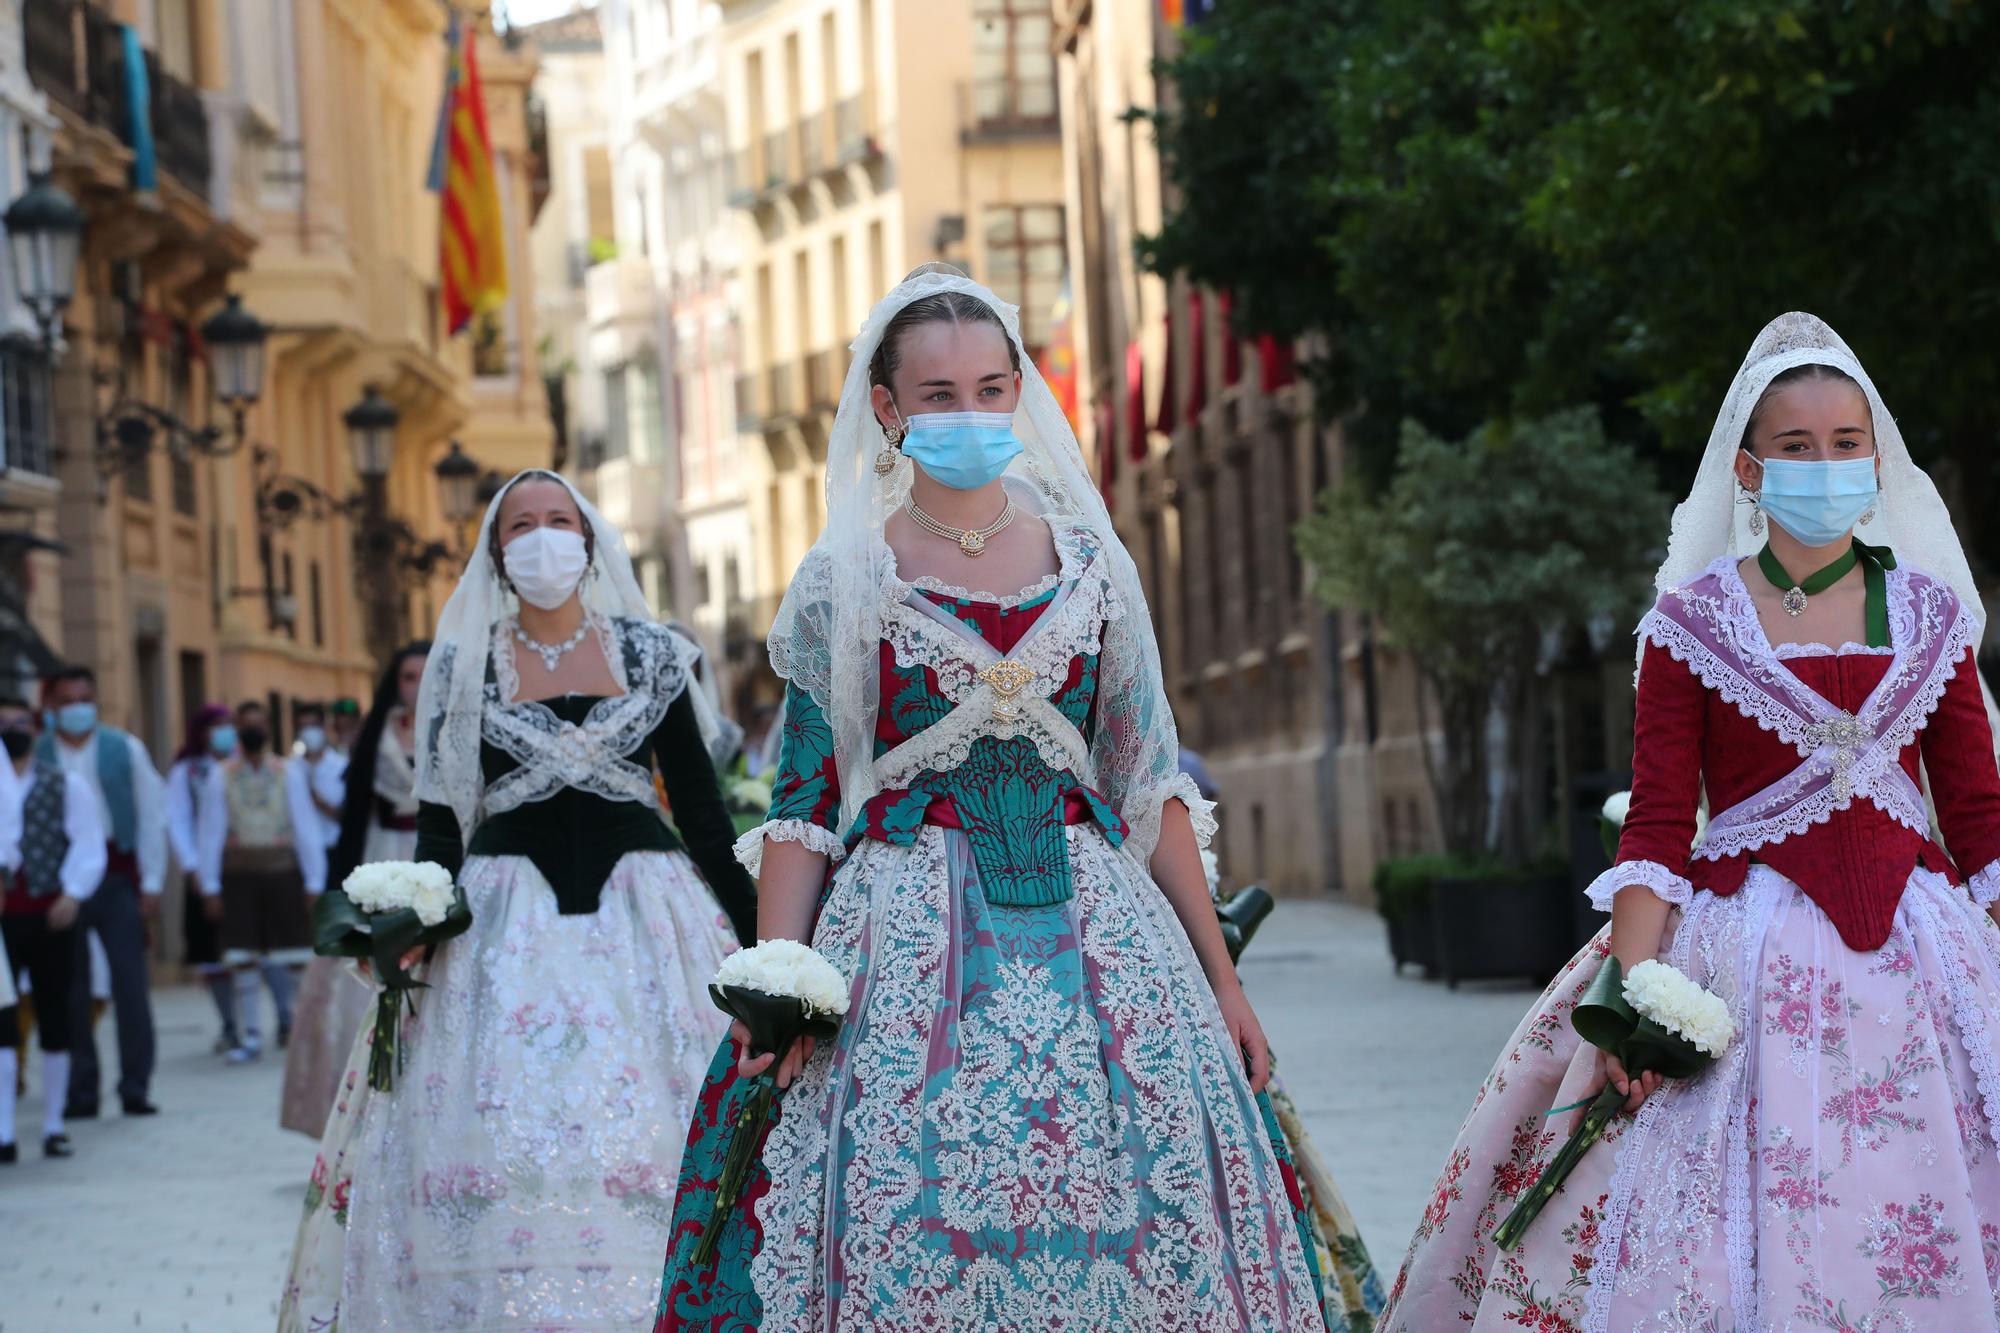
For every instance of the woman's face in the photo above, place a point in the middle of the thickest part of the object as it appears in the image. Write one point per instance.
(536, 503)
(950, 367)
(409, 677)
(1813, 421)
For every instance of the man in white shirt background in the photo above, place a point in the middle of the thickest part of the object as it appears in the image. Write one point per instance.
(53, 849)
(318, 778)
(131, 805)
(197, 827)
(274, 856)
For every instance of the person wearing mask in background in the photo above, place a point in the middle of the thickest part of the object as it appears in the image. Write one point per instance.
(131, 807)
(344, 719)
(197, 826)
(321, 771)
(51, 837)
(331, 1002)
(275, 851)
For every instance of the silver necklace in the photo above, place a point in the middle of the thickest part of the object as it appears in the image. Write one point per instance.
(551, 654)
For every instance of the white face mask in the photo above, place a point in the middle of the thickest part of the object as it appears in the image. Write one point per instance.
(545, 565)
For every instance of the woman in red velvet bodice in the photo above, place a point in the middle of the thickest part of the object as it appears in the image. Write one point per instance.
(1836, 1166)
(1686, 738)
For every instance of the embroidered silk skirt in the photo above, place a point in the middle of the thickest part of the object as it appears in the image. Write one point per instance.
(1835, 1169)
(520, 1175)
(1032, 1118)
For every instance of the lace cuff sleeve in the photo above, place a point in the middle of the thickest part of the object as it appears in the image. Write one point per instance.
(816, 837)
(1985, 885)
(1666, 885)
(1201, 810)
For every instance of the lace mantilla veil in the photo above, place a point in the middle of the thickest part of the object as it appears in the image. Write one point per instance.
(826, 635)
(453, 694)
(1911, 518)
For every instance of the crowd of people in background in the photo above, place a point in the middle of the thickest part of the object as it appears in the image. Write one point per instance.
(89, 830)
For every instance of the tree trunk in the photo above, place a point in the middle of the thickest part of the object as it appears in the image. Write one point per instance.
(1527, 760)
(1459, 783)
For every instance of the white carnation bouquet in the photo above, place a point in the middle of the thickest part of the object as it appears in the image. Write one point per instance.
(381, 912)
(780, 990)
(1655, 1020)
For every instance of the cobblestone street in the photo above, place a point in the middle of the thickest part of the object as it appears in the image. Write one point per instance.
(185, 1222)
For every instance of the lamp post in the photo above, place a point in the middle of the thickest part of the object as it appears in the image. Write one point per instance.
(371, 436)
(44, 233)
(458, 485)
(235, 340)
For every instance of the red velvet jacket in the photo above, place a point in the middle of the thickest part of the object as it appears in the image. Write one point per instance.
(1854, 866)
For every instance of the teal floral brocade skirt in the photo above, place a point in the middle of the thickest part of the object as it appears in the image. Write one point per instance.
(1032, 1117)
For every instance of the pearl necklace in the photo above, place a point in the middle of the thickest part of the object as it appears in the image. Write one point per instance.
(972, 541)
(551, 654)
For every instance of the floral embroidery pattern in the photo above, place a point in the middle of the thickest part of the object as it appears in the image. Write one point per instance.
(1752, 1197)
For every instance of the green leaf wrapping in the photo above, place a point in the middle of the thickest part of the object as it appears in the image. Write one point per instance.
(1604, 1018)
(342, 930)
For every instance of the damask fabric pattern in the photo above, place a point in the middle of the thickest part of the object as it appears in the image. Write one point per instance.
(1836, 1169)
(520, 1176)
(1032, 1118)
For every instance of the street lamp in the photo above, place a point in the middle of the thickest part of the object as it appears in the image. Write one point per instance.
(44, 232)
(490, 485)
(371, 433)
(458, 484)
(235, 340)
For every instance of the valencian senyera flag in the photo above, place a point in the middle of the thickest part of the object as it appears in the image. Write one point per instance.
(472, 244)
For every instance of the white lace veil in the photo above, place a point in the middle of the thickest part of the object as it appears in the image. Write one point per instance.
(826, 635)
(453, 691)
(1911, 518)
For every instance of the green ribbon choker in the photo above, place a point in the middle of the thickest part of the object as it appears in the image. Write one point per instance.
(1874, 562)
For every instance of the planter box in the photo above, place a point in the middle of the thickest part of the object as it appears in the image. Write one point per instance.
(1413, 940)
(1514, 927)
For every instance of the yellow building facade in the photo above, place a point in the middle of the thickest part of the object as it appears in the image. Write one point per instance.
(866, 137)
(347, 276)
(292, 138)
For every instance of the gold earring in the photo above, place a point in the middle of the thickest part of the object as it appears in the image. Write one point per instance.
(885, 461)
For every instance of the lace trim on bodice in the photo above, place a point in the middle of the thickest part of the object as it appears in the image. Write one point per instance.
(1928, 630)
(956, 657)
(590, 756)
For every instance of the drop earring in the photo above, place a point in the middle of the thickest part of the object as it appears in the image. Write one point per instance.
(885, 461)
(1869, 515)
(1756, 518)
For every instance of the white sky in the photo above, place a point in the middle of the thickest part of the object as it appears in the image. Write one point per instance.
(534, 11)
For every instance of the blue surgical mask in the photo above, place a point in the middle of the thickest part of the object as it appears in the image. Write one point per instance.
(313, 739)
(76, 719)
(1817, 502)
(962, 450)
(222, 741)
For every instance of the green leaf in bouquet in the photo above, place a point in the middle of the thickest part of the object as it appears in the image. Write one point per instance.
(1603, 1017)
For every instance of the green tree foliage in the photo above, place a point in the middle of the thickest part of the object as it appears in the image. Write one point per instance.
(1498, 208)
(1474, 553)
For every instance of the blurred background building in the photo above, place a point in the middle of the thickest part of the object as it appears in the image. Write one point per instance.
(255, 497)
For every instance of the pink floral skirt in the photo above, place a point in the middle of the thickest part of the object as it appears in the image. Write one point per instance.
(1835, 1169)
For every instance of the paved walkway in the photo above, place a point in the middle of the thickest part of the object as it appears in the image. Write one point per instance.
(185, 1222)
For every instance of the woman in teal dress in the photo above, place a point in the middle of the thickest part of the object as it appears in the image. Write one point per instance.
(1044, 1108)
